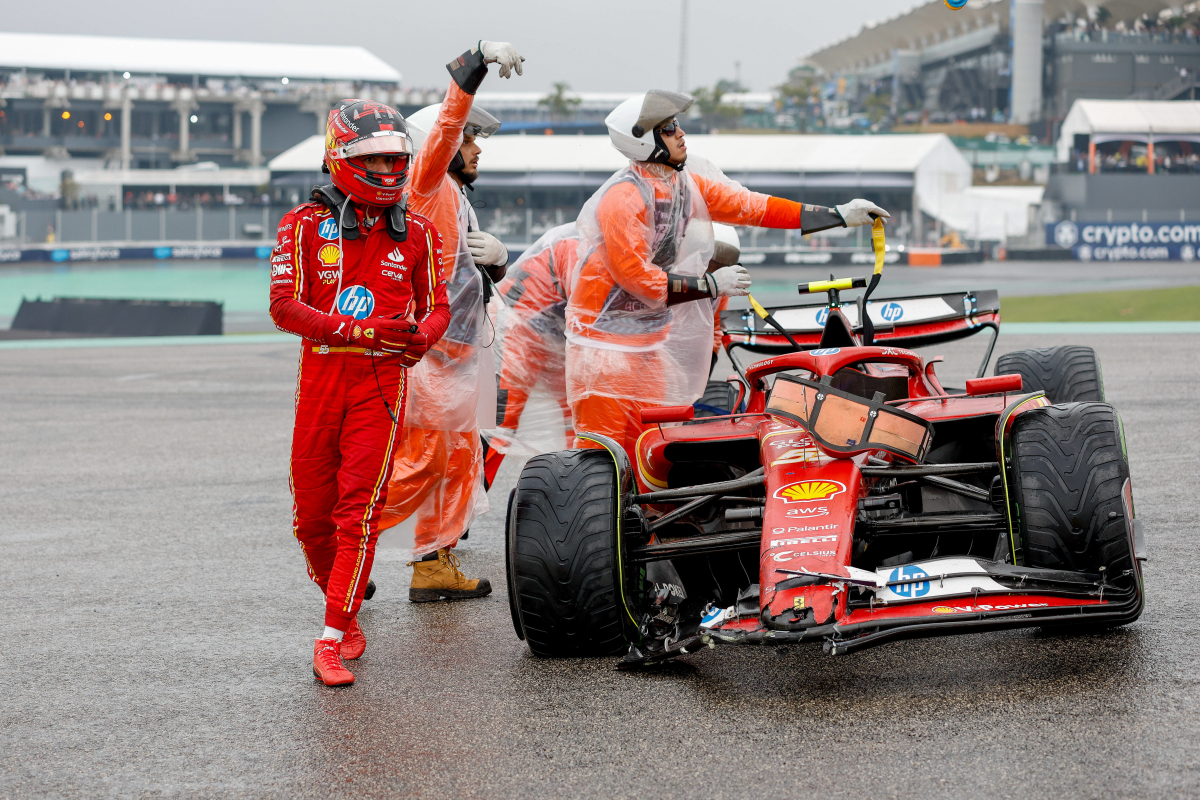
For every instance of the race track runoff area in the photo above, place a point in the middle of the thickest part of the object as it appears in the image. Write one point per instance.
(160, 627)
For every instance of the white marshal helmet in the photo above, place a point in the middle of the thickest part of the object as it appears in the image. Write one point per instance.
(631, 124)
(480, 123)
(727, 245)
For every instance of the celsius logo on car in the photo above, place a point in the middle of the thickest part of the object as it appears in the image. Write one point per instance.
(356, 301)
(328, 229)
(891, 312)
(807, 491)
(919, 589)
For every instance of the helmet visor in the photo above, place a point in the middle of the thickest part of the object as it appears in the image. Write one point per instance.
(481, 124)
(394, 143)
(845, 424)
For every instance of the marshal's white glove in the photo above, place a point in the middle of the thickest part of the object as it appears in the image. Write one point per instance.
(858, 212)
(486, 250)
(731, 281)
(504, 54)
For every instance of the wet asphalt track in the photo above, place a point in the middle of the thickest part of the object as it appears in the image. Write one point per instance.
(159, 626)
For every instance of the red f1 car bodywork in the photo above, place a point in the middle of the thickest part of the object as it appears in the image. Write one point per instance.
(842, 496)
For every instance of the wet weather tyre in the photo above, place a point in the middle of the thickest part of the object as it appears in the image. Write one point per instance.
(1070, 469)
(1069, 374)
(563, 555)
(719, 396)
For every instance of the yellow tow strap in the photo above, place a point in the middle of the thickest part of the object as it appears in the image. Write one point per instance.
(880, 241)
(758, 309)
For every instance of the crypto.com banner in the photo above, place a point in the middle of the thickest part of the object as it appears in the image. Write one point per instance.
(1126, 241)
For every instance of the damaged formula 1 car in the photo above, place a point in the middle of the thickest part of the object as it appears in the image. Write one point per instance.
(838, 494)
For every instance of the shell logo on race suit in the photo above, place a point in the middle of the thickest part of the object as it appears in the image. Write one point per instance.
(329, 255)
(808, 491)
(356, 301)
(328, 229)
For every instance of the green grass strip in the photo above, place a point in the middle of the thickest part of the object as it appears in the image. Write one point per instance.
(1181, 303)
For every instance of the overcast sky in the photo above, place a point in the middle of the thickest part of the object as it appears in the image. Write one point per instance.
(615, 45)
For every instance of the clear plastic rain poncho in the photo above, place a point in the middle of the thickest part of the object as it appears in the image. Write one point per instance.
(451, 395)
(623, 341)
(532, 415)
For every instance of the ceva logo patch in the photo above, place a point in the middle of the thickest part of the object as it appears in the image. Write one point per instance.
(356, 301)
(807, 491)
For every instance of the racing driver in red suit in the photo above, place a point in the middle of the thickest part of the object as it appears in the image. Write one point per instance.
(359, 278)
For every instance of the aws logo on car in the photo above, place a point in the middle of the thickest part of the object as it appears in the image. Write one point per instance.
(808, 491)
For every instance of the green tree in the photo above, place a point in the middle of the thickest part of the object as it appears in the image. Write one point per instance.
(558, 104)
(714, 112)
(1103, 16)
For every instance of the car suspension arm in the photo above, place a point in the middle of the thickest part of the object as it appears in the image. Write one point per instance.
(928, 469)
(748, 481)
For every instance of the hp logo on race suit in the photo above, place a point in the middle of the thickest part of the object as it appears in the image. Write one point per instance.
(328, 229)
(891, 312)
(909, 589)
(822, 316)
(356, 301)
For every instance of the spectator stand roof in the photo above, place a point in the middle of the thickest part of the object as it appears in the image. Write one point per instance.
(318, 62)
(1130, 120)
(932, 27)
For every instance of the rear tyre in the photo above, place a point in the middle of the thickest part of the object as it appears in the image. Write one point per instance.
(1070, 470)
(563, 557)
(1069, 374)
(717, 400)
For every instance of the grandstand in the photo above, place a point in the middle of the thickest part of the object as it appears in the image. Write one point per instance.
(1024, 61)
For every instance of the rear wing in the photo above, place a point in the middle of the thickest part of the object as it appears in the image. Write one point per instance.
(913, 321)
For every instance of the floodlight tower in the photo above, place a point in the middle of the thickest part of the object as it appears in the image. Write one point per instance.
(683, 44)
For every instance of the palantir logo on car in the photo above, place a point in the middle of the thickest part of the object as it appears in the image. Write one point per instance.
(356, 301)
(1066, 233)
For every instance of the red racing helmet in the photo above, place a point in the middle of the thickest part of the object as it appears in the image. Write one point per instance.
(360, 128)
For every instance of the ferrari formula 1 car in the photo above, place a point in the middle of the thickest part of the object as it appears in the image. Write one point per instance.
(837, 493)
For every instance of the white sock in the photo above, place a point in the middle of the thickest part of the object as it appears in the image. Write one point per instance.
(332, 633)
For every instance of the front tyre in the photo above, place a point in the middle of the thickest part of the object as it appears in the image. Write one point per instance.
(564, 560)
(1068, 374)
(1070, 471)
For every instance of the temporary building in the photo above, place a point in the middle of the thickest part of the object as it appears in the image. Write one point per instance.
(1129, 121)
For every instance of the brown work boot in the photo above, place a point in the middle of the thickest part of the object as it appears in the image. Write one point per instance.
(433, 580)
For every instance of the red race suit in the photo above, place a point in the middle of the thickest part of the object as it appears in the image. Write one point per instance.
(349, 399)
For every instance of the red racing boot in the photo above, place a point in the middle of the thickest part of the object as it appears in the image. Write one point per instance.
(327, 664)
(353, 641)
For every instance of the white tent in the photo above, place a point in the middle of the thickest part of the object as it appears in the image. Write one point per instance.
(192, 57)
(1129, 120)
(929, 164)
